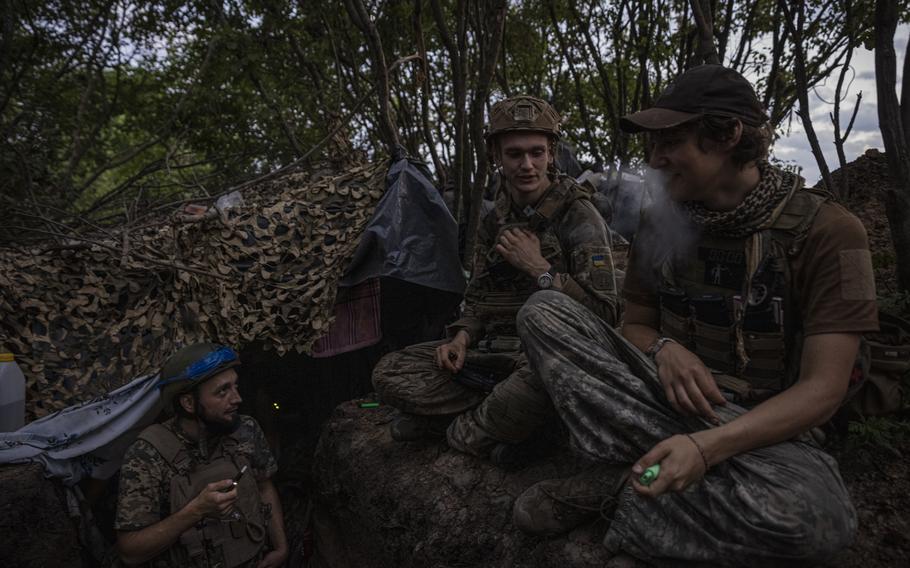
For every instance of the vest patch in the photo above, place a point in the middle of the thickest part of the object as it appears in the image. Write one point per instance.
(723, 267)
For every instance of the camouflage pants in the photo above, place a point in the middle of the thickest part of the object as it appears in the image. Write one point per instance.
(782, 505)
(410, 381)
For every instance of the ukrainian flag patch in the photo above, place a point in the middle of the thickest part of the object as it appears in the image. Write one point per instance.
(598, 260)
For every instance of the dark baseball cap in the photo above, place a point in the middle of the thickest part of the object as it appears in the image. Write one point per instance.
(703, 90)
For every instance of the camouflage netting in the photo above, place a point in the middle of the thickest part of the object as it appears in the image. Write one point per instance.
(91, 315)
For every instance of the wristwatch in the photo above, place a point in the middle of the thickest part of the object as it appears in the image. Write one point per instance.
(545, 280)
(658, 345)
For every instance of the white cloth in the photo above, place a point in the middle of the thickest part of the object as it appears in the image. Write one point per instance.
(87, 439)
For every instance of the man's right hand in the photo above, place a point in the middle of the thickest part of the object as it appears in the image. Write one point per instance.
(688, 384)
(216, 499)
(450, 356)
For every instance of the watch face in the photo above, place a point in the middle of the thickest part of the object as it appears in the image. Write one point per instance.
(545, 280)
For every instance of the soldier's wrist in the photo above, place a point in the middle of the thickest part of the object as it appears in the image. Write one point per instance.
(657, 346)
(462, 337)
(539, 268)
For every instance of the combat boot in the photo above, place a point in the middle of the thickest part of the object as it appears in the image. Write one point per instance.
(556, 506)
(413, 427)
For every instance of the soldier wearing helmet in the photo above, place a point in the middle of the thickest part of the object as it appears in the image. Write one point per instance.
(543, 233)
(196, 490)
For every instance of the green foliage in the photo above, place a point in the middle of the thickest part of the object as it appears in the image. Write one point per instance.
(108, 107)
(878, 432)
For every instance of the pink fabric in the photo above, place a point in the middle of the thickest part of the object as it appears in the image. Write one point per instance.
(356, 322)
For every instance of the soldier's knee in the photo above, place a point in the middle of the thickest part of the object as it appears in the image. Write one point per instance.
(539, 309)
(380, 372)
(832, 530)
(826, 525)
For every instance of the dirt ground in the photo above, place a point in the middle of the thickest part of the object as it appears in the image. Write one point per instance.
(880, 486)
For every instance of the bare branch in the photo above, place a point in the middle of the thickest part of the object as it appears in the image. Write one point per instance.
(707, 52)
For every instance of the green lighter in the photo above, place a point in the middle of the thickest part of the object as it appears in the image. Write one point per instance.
(649, 475)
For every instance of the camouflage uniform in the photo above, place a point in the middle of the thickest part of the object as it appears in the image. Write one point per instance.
(145, 478)
(782, 505)
(575, 241)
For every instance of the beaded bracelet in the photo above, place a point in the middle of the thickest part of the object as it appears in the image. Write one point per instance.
(700, 451)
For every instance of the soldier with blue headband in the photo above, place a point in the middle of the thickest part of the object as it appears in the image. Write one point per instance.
(196, 490)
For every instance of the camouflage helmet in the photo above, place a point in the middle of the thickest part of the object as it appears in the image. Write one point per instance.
(523, 114)
(192, 366)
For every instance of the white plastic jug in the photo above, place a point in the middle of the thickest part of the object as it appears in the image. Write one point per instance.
(12, 394)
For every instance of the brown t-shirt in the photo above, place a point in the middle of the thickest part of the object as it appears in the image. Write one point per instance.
(832, 276)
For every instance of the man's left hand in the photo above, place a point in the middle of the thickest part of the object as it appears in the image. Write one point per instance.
(521, 249)
(681, 465)
(273, 559)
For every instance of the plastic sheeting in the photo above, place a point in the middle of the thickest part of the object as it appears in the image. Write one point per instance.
(623, 194)
(88, 439)
(412, 236)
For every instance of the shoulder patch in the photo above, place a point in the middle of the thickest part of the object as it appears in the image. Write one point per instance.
(857, 281)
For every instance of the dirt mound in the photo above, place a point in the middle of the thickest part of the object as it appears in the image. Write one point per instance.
(35, 528)
(421, 504)
(869, 179)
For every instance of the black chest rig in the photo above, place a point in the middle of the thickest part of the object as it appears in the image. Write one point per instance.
(213, 542)
(732, 303)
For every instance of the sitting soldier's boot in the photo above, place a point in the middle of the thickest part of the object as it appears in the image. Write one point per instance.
(413, 427)
(556, 506)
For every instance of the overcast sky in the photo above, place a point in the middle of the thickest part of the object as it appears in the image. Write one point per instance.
(865, 134)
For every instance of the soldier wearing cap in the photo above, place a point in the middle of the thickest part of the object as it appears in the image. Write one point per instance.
(746, 296)
(196, 490)
(543, 233)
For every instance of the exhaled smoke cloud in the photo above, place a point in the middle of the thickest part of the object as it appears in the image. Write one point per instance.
(665, 227)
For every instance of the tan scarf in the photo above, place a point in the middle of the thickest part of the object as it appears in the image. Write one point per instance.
(758, 210)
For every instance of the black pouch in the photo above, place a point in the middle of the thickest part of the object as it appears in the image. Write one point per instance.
(714, 332)
(676, 316)
(483, 371)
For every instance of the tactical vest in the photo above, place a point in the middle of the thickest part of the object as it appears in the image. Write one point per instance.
(503, 300)
(702, 295)
(213, 542)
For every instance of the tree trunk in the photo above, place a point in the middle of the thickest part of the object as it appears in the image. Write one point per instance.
(897, 146)
(387, 128)
(802, 85)
(704, 20)
(493, 21)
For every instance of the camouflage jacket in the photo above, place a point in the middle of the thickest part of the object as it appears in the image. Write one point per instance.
(145, 477)
(573, 237)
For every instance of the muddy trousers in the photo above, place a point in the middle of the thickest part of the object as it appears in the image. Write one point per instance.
(783, 505)
(410, 381)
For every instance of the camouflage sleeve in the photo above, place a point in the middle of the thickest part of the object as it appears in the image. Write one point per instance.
(256, 447)
(472, 320)
(142, 499)
(585, 240)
